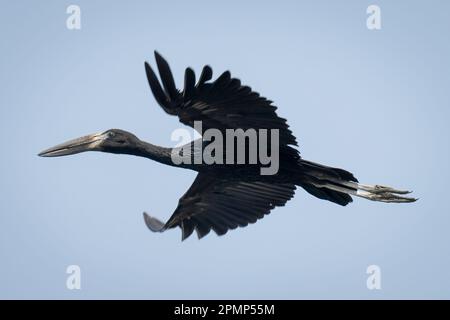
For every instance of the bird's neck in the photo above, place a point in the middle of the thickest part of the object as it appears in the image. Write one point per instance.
(154, 152)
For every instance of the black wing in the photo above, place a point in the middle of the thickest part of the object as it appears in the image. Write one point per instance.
(221, 205)
(220, 104)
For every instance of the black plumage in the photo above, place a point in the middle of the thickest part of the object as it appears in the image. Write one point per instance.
(226, 196)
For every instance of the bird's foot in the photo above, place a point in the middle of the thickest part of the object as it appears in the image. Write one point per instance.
(383, 193)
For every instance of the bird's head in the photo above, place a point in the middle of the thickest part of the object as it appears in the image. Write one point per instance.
(112, 141)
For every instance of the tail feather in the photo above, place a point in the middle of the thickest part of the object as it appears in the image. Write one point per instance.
(327, 194)
(338, 185)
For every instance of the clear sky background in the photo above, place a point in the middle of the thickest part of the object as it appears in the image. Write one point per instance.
(373, 102)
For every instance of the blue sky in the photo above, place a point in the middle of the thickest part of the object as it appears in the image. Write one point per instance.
(373, 102)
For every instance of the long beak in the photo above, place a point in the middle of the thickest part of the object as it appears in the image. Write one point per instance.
(86, 143)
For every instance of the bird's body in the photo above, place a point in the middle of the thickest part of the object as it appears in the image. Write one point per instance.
(228, 192)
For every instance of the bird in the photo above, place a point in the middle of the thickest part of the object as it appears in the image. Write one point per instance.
(225, 196)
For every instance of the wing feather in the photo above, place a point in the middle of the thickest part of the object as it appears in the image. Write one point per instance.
(166, 76)
(221, 104)
(217, 204)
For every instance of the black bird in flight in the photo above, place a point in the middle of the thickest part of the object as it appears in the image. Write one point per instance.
(227, 196)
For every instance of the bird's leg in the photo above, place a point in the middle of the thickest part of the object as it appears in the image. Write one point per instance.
(384, 196)
(377, 192)
(381, 189)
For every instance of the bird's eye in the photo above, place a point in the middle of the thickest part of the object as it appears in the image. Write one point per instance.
(111, 134)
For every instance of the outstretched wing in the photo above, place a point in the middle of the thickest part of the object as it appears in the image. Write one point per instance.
(221, 205)
(220, 104)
